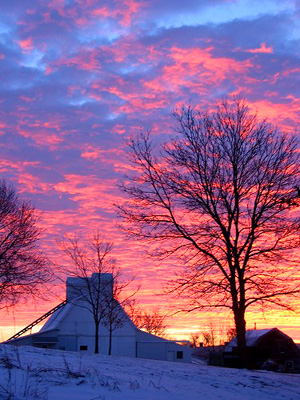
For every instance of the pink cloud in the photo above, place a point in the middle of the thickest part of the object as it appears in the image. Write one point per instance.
(119, 129)
(86, 59)
(90, 154)
(102, 12)
(137, 79)
(124, 13)
(3, 127)
(41, 137)
(90, 192)
(197, 69)
(262, 49)
(33, 184)
(26, 44)
(26, 98)
(284, 114)
(129, 10)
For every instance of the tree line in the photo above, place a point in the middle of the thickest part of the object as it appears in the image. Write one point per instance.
(25, 270)
(222, 194)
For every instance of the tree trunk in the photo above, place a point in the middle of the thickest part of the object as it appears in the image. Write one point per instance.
(96, 338)
(110, 342)
(240, 324)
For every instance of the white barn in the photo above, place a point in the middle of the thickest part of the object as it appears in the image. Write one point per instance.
(72, 328)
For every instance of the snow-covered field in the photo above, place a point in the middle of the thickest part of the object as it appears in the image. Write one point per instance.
(30, 373)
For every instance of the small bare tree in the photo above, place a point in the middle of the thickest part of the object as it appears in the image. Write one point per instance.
(114, 301)
(195, 340)
(101, 291)
(23, 267)
(230, 334)
(209, 336)
(222, 195)
(90, 261)
(152, 322)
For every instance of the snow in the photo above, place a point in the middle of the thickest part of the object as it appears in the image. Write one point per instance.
(252, 337)
(29, 373)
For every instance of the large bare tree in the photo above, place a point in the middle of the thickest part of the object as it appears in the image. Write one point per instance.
(222, 194)
(23, 267)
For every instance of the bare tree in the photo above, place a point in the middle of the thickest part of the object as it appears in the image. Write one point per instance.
(23, 267)
(115, 317)
(230, 334)
(195, 339)
(209, 336)
(221, 195)
(90, 262)
(101, 290)
(152, 322)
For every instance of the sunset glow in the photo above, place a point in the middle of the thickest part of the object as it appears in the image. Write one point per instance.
(79, 77)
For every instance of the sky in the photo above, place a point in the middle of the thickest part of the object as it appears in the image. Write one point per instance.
(78, 77)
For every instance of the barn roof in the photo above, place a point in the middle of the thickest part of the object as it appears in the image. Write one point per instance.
(252, 337)
(56, 318)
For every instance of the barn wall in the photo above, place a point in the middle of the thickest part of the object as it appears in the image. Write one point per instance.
(153, 347)
(121, 345)
(79, 321)
(166, 351)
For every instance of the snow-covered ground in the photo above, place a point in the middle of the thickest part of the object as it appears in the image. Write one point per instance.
(30, 373)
